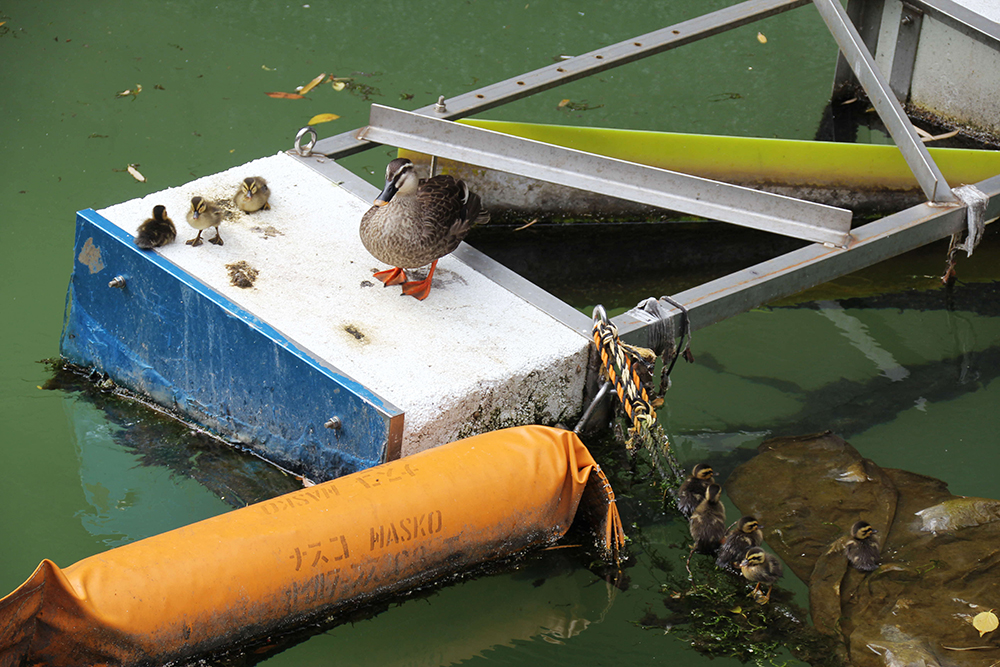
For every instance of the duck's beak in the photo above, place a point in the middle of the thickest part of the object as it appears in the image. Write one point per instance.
(387, 193)
(196, 214)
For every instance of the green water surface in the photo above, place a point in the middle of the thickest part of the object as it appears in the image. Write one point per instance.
(906, 380)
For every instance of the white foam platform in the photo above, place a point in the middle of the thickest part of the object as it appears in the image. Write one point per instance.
(470, 358)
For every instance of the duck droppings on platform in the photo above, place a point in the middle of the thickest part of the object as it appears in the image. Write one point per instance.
(241, 274)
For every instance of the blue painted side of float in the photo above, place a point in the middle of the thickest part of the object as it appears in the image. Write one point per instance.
(169, 336)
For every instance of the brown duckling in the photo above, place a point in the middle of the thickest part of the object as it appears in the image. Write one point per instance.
(202, 215)
(743, 536)
(416, 222)
(253, 194)
(692, 491)
(157, 231)
(862, 549)
(761, 567)
(708, 521)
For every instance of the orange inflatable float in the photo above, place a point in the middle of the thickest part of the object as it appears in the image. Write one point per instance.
(273, 565)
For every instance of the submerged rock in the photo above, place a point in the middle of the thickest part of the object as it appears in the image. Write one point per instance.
(940, 552)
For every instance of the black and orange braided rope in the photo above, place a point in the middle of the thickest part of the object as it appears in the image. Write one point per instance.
(619, 362)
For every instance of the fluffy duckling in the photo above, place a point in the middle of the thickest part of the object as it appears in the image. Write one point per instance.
(708, 521)
(743, 536)
(416, 222)
(156, 231)
(761, 567)
(253, 194)
(692, 491)
(862, 549)
(202, 215)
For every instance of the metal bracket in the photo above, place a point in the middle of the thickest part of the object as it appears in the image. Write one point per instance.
(907, 39)
(609, 176)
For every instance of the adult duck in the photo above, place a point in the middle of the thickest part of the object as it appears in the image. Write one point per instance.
(416, 222)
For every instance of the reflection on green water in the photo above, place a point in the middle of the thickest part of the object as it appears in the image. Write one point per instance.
(910, 383)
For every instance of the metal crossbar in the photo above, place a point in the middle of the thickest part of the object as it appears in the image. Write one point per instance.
(578, 67)
(609, 176)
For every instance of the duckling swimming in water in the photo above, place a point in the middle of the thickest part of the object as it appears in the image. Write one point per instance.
(692, 491)
(202, 215)
(416, 222)
(253, 194)
(156, 231)
(862, 549)
(708, 521)
(743, 536)
(761, 567)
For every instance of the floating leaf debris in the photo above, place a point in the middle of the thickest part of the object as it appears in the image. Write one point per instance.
(322, 118)
(985, 621)
(312, 84)
(135, 173)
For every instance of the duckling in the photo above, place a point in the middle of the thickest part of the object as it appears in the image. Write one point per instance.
(253, 194)
(708, 521)
(204, 214)
(862, 549)
(692, 491)
(416, 222)
(761, 567)
(156, 231)
(740, 538)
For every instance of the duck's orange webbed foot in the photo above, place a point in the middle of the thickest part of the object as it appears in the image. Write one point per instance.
(419, 289)
(393, 276)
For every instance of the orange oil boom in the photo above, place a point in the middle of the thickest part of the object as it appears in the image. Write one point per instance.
(273, 565)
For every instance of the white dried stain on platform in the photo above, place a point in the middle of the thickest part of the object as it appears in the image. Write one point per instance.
(470, 357)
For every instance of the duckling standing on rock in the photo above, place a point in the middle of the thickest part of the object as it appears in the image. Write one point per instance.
(745, 535)
(253, 194)
(202, 215)
(156, 231)
(761, 567)
(862, 549)
(708, 521)
(692, 491)
(416, 222)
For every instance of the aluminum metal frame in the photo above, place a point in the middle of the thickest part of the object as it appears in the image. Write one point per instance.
(866, 15)
(812, 265)
(930, 178)
(788, 274)
(609, 176)
(578, 67)
(905, 56)
(962, 20)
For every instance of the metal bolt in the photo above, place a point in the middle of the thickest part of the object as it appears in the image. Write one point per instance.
(117, 281)
(440, 107)
(334, 423)
(907, 19)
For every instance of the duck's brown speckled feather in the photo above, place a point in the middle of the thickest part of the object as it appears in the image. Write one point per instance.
(413, 231)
